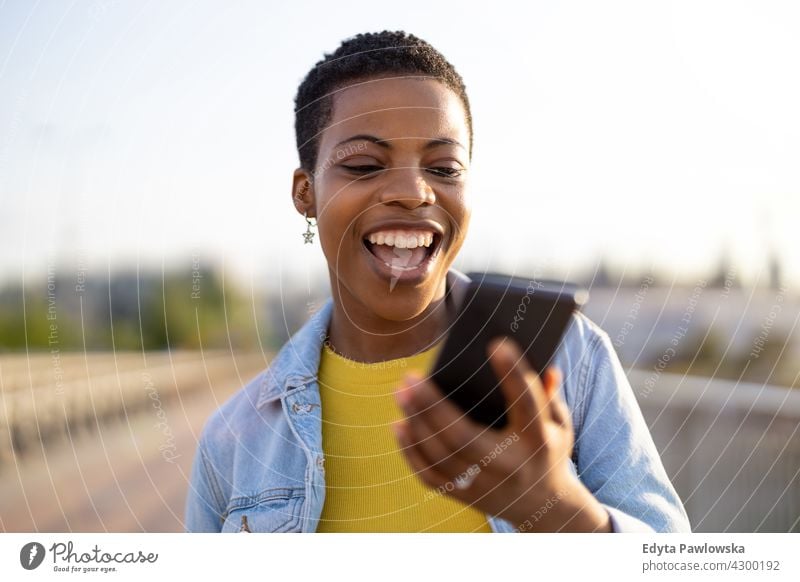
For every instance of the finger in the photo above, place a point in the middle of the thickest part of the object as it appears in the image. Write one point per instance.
(561, 413)
(421, 399)
(438, 453)
(525, 398)
(552, 380)
(419, 464)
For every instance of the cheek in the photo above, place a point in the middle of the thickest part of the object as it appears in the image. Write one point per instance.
(465, 201)
(339, 216)
(460, 211)
(464, 205)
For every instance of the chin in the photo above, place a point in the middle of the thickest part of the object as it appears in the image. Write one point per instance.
(401, 301)
(401, 304)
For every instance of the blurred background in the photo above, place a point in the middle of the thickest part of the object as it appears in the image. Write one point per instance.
(151, 262)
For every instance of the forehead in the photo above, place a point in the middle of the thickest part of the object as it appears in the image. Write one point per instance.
(395, 108)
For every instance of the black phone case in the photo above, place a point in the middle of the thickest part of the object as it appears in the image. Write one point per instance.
(534, 312)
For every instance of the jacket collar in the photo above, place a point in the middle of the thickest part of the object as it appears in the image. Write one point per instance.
(297, 362)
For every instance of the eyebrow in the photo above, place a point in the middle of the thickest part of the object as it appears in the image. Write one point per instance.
(386, 143)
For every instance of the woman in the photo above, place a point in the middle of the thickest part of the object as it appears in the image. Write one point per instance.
(342, 432)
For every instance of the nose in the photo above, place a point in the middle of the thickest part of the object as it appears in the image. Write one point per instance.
(407, 187)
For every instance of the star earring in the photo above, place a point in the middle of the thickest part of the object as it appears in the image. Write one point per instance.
(308, 236)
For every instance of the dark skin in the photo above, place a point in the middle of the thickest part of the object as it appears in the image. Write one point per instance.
(417, 171)
(372, 322)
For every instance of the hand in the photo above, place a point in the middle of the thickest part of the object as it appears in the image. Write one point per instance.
(518, 473)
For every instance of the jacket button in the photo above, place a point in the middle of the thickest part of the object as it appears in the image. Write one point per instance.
(304, 408)
(321, 462)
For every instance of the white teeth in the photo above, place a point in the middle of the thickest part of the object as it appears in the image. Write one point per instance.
(402, 239)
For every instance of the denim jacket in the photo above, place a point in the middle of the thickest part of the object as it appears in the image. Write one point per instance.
(259, 464)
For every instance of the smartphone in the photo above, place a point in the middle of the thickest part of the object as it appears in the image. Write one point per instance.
(533, 312)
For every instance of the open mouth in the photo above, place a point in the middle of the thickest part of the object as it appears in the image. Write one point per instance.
(403, 251)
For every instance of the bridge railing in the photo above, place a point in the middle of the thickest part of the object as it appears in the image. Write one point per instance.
(42, 398)
(731, 449)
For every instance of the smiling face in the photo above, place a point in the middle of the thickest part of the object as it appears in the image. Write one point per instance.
(389, 194)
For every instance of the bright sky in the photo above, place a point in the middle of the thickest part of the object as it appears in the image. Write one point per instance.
(646, 132)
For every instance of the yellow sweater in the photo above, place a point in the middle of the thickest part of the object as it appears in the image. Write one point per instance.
(370, 487)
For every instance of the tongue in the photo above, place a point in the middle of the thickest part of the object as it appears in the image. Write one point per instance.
(399, 257)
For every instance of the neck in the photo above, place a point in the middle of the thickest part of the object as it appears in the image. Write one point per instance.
(360, 334)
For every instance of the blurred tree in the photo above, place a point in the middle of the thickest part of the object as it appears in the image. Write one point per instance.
(131, 311)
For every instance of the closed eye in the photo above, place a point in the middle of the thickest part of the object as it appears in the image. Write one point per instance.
(446, 172)
(442, 171)
(364, 169)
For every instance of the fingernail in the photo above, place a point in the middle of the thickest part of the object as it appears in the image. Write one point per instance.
(496, 343)
(412, 378)
(554, 376)
(401, 395)
(510, 347)
(397, 429)
(411, 384)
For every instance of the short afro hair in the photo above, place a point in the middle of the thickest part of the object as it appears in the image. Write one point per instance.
(364, 56)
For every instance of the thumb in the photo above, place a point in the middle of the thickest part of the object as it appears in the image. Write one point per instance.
(559, 412)
(522, 389)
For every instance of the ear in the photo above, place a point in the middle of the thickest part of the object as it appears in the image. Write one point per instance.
(303, 193)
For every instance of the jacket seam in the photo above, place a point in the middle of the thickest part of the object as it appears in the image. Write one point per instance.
(309, 459)
(584, 392)
(272, 494)
(591, 369)
(212, 481)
